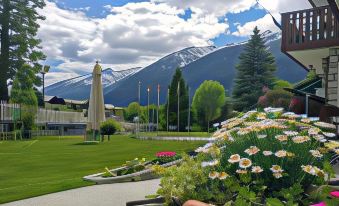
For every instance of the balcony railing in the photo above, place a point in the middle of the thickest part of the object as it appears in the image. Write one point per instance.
(309, 29)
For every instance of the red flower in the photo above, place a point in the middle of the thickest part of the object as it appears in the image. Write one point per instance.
(165, 154)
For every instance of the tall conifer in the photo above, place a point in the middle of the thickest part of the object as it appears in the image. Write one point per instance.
(173, 100)
(19, 45)
(255, 70)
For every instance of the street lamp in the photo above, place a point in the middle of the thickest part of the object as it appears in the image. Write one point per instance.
(44, 70)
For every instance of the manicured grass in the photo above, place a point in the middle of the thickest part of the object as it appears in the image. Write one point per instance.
(49, 164)
(175, 134)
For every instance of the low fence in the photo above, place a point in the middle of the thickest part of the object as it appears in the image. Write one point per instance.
(51, 116)
(12, 113)
(39, 133)
(15, 135)
(9, 112)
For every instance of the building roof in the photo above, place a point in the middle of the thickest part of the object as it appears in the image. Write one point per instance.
(109, 106)
(318, 3)
(54, 100)
(309, 85)
(78, 102)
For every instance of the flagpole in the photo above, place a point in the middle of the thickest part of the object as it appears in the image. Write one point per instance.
(148, 116)
(189, 110)
(158, 109)
(139, 101)
(167, 106)
(178, 93)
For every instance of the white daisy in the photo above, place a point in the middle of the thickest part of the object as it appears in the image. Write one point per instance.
(234, 158)
(245, 163)
(267, 153)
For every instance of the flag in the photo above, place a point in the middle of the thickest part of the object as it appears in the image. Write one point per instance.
(274, 20)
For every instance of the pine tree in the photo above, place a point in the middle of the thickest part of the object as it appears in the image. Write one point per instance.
(255, 70)
(19, 45)
(173, 101)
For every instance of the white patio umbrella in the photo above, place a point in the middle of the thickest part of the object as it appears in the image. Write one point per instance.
(96, 109)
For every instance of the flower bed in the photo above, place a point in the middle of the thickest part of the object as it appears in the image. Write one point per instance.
(136, 170)
(259, 158)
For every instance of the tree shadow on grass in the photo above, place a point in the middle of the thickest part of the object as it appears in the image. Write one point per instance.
(88, 143)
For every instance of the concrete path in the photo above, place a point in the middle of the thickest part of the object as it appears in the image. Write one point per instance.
(99, 195)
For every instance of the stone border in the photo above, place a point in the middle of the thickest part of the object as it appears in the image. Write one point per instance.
(137, 176)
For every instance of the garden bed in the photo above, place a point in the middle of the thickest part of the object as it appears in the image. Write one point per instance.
(136, 170)
(260, 158)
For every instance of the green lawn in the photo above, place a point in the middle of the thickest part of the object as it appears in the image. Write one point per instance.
(49, 164)
(175, 134)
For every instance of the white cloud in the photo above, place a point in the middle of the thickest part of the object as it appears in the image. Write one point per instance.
(135, 34)
(263, 24)
(216, 7)
(53, 77)
(266, 22)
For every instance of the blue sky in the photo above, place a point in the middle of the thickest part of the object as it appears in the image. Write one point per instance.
(135, 33)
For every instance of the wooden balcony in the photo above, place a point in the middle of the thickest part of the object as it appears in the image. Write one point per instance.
(309, 29)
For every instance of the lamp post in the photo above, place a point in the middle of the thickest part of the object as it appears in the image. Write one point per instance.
(44, 70)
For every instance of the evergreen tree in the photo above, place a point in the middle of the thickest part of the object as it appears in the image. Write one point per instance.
(178, 81)
(255, 70)
(18, 28)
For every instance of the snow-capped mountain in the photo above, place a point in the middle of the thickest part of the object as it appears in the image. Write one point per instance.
(213, 64)
(79, 87)
(184, 57)
(198, 64)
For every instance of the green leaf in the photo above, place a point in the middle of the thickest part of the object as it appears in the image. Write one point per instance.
(241, 202)
(273, 202)
(229, 203)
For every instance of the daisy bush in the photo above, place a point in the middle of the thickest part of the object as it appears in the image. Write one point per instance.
(268, 157)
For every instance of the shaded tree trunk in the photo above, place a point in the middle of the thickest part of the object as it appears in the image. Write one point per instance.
(4, 56)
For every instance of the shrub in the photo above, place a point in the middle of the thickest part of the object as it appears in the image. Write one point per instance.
(297, 105)
(280, 84)
(258, 158)
(275, 98)
(110, 127)
(186, 182)
(28, 121)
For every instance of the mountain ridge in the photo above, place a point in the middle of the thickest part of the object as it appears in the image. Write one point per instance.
(197, 63)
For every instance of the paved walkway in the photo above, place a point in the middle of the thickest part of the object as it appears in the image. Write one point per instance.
(99, 195)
